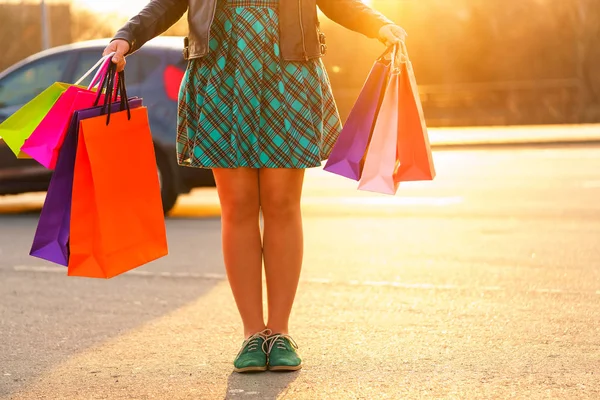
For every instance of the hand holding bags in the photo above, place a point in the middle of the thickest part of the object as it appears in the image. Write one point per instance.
(103, 213)
(398, 149)
(117, 220)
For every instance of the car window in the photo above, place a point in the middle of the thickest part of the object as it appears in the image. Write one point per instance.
(85, 61)
(149, 64)
(139, 66)
(25, 83)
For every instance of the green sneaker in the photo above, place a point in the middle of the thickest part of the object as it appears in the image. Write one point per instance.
(282, 353)
(252, 357)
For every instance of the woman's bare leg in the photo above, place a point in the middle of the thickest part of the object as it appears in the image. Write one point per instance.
(280, 191)
(242, 248)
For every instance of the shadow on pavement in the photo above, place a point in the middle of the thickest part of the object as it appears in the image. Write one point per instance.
(264, 385)
(9, 213)
(47, 317)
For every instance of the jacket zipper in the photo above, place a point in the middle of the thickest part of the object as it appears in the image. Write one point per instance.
(302, 29)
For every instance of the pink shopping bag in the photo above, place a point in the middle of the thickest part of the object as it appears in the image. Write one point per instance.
(46, 140)
(380, 159)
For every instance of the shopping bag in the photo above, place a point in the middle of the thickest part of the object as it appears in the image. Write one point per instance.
(51, 240)
(380, 160)
(45, 141)
(20, 125)
(117, 221)
(415, 160)
(347, 156)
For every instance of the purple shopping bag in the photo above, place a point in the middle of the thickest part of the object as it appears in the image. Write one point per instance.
(346, 158)
(51, 241)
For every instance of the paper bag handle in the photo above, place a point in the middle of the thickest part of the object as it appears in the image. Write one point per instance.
(115, 84)
(399, 55)
(103, 64)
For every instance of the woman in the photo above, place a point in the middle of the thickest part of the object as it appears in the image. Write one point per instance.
(256, 107)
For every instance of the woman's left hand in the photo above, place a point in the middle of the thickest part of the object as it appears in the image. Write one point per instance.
(392, 34)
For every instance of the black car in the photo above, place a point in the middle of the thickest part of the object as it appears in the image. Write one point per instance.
(153, 73)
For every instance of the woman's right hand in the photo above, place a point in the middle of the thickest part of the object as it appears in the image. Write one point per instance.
(120, 47)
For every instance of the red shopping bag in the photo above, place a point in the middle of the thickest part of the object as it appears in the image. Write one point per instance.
(415, 161)
(117, 220)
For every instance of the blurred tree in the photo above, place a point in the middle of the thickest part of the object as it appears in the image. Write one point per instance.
(527, 60)
(534, 50)
(20, 29)
(586, 26)
(180, 28)
(87, 25)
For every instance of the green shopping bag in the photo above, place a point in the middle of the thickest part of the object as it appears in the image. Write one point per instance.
(19, 126)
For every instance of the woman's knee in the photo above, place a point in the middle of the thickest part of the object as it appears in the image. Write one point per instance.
(240, 206)
(280, 205)
(238, 194)
(280, 192)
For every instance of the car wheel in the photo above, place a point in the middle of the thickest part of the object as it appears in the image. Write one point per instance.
(167, 183)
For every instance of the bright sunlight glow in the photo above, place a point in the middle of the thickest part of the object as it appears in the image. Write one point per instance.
(129, 7)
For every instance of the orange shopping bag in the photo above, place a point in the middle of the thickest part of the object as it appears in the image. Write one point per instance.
(117, 220)
(415, 161)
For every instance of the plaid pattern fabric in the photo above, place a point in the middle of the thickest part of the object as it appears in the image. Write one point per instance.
(243, 106)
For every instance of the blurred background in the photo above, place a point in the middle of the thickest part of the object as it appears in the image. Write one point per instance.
(478, 62)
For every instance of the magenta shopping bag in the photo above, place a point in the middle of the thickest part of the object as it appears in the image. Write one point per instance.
(347, 155)
(51, 240)
(44, 143)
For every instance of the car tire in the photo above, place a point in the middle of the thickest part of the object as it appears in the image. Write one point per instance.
(168, 190)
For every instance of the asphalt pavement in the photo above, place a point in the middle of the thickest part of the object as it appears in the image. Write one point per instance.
(483, 284)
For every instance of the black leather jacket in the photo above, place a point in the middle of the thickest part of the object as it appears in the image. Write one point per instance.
(300, 38)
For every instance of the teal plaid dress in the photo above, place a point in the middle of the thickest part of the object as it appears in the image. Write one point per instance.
(242, 105)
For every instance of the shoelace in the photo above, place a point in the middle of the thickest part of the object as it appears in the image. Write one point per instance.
(278, 340)
(252, 342)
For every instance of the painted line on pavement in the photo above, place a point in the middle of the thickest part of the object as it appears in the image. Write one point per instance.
(319, 281)
(383, 201)
(209, 206)
(135, 272)
(423, 286)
